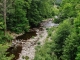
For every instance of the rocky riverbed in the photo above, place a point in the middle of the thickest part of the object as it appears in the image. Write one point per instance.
(28, 47)
(27, 42)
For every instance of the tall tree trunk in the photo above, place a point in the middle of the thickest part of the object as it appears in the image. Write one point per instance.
(5, 16)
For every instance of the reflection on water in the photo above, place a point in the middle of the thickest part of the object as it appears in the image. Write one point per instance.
(15, 51)
(27, 35)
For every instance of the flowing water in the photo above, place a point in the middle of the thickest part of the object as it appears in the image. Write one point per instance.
(27, 35)
(16, 50)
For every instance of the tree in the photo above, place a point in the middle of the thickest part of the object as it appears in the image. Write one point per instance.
(38, 11)
(33, 14)
(78, 54)
(3, 53)
(68, 9)
(17, 21)
(44, 52)
(1, 17)
(59, 37)
(5, 16)
(72, 42)
(70, 47)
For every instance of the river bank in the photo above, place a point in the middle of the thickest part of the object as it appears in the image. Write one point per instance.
(28, 41)
(28, 48)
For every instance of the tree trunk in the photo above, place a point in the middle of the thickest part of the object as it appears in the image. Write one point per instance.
(5, 16)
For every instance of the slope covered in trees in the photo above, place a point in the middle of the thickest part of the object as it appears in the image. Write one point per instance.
(65, 42)
(18, 16)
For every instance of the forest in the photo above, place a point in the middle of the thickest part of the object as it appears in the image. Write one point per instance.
(22, 16)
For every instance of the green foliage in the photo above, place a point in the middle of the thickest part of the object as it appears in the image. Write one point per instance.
(50, 31)
(38, 10)
(77, 24)
(17, 21)
(68, 9)
(65, 42)
(33, 14)
(44, 52)
(56, 19)
(58, 2)
(65, 45)
(72, 42)
(59, 37)
(78, 54)
(70, 46)
(45, 8)
(22, 14)
(55, 10)
(1, 23)
(3, 49)
(4, 39)
(25, 57)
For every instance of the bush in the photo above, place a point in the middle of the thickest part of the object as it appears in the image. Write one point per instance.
(59, 37)
(3, 53)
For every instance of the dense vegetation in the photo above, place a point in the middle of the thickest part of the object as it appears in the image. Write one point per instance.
(65, 42)
(19, 16)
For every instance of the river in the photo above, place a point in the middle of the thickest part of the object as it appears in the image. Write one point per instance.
(25, 44)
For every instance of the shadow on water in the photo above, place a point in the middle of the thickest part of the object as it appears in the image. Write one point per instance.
(15, 51)
(27, 35)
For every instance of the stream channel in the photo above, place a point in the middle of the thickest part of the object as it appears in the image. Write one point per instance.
(16, 47)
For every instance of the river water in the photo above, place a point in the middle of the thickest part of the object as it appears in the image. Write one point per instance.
(27, 35)
(16, 51)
